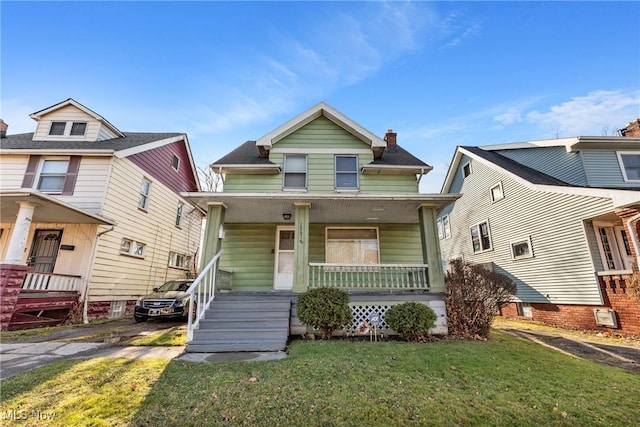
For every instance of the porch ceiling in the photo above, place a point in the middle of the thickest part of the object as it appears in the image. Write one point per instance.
(47, 209)
(325, 208)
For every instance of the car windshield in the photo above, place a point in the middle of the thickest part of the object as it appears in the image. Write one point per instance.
(174, 285)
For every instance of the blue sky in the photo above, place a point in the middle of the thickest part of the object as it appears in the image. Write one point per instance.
(440, 74)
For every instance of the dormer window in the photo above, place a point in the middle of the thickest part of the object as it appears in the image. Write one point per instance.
(57, 128)
(74, 128)
(78, 129)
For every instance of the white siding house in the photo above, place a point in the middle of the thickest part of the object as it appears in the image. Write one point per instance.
(559, 217)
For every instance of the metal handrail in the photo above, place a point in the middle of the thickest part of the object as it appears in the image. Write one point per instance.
(202, 292)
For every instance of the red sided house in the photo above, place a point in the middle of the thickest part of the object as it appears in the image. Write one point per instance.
(91, 217)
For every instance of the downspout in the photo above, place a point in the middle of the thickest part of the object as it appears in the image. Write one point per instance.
(634, 237)
(85, 296)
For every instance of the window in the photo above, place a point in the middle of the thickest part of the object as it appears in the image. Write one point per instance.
(496, 192)
(524, 309)
(352, 246)
(131, 247)
(53, 175)
(614, 246)
(481, 237)
(175, 162)
(295, 171)
(179, 214)
(177, 260)
(466, 169)
(444, 227)
(347, 172)
(117, 309)
(630, 165)
(143, 201)
(521, 249)
(78, 129)
(57, 128)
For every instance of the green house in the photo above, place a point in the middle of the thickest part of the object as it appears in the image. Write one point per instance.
(320, 201)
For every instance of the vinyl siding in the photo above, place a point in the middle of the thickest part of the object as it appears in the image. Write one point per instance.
(248, 250)
(95, 131)
(116, 276)
(554, 161)
(321, 134)
(13, 168)
(603, 169)
(562, 270)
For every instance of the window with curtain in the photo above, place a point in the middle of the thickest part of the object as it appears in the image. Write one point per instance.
(352, 246)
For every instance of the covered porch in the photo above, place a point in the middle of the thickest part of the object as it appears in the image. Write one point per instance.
(42, 277)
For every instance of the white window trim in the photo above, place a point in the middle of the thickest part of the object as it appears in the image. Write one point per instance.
(444, 230)
(86, 126)
(145, 205)
(306, 172)
(133, 244)
(498, 185)
(619, 154)
(179, 214)
(173, 258)
(177, 166)
(524, 309)
(36, 181)
(526, 240)
(68, 126)
(64, 130)
(326, 238)
(480, 237)
(470, 169)
(616, 255)
(335, 173)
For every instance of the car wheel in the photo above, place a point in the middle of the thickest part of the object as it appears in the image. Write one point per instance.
(139, 319)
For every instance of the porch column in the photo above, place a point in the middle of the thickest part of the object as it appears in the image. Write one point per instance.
(212, 242)
(301, 248)
(431, 248)
(18, 240)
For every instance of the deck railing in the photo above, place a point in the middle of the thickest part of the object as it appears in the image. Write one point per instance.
(369, 276)
(52, 282)
(202, 291)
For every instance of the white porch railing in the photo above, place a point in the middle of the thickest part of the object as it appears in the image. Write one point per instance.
(369, 276)
(52, 282)
(202, 291)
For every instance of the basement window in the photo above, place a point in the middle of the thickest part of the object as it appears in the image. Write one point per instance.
(117, 309)
(524, 309)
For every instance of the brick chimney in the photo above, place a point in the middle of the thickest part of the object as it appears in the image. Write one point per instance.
(390, 138)
(3, 129)
(631, 129)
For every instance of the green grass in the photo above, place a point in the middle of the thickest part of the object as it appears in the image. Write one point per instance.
(176, 336)
(500, 382)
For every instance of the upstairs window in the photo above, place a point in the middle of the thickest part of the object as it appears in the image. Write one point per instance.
(175, 162)
(497, 193)
(179, 214)
(352, 246)
(53, 175)
(295, 171)
(481, 237)
(466, 169)
(346, 172)
(57, 128)
(78, 129)
(630, 165)
(143, 200)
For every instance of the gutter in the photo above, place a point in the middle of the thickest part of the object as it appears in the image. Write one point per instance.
(85, 293)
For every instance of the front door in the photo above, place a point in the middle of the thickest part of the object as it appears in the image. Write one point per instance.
(44, 250)
(283, 277)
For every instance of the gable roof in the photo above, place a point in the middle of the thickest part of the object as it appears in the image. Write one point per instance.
(533, 178)
(320, 109)
(70, 101)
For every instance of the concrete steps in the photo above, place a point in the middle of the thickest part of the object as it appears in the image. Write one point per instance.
(243, 322)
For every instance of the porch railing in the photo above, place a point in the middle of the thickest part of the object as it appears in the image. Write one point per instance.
(52, 282)
(202, 291)
(369, 276)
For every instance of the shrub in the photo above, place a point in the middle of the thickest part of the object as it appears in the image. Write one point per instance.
(324, 308)
(411, 320)
(474, 296)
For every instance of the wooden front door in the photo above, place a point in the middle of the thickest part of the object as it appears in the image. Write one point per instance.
(283, 277)
(44, 250)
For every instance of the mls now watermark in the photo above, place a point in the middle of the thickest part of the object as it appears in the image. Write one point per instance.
(24, 415)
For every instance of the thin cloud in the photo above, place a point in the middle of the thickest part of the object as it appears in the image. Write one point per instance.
(590, 114)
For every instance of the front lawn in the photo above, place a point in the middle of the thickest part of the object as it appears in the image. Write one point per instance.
(503, 381)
